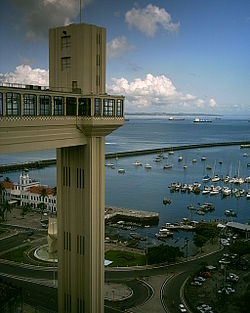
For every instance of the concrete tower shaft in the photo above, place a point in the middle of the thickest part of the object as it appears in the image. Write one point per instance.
(77, 58)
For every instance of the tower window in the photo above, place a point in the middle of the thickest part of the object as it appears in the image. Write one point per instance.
(84, 107)
(65, 63)
(58, 106)
(13, 103)
(98, 60)
(1, 103)
(97, 107)
(29, 104)
(65, 42)
(119, 111)
(108, 107)
(45, 105)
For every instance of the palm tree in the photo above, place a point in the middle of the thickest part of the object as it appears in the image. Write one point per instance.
(7, 179)
(6, 208)
(42, 205)
(2, 189)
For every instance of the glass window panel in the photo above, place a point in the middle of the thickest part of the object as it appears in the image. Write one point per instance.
(58, 106)
(65, 63)
(70, 106)
(65, 42)
(84, 107)
(108, 107)
(13, 103)
(45, 105)
(29, 104)
(1, 103)
(119, 110)
(97, 107)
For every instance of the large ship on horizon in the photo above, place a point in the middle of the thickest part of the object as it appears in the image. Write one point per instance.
(201, 120)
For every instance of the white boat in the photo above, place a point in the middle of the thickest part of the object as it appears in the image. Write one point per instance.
(194, 160)
(215, 190)
(206, 178)
(227, 179)
(247, 180)
(216, 178)
(148, 166)
(180, 158)
(226, 191)
(137, 163)
(205, 191)
(203, 158)
(230, 213)
(208, 167)
(164, 233)
(110, 165)
(171, 152)
(248, 194)
(185, 166)
(167, 166)
(121, 171)
(201, 120)
(157, 159)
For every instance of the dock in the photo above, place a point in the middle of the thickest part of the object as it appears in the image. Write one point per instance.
(129, 215)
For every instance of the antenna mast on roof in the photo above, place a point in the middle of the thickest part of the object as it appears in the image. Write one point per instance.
(80, 11)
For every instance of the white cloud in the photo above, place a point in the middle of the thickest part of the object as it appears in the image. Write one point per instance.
(118, 46)
(147, 20)
(24, 74)
(36, 17)
(154, 93)
(212, 103)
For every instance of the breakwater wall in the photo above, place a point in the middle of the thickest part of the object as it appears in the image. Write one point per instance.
(130, 215)
(4, 168)
(174, 148)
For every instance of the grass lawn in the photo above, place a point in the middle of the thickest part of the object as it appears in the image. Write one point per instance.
(125, 258)
(16, 255)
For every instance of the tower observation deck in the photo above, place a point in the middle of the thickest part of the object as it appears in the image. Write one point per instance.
(73, 115)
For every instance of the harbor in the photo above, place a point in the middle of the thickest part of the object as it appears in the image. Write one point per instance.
(5, 168)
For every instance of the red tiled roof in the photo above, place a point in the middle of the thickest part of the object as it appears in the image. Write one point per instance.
(7, 185)
(38, 190)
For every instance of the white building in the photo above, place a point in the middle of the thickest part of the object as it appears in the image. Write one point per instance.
(28, 192)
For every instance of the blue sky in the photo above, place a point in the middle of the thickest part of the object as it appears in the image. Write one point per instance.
(164, 56)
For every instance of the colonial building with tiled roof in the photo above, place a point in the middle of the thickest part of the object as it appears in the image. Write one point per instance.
(28, 192)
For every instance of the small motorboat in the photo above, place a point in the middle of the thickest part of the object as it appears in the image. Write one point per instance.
(137, 163)
(166, 201)
(121, 171)
(206, 178)
(167, 166)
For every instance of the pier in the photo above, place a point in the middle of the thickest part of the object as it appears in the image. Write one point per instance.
(4, 168)
(129, 215)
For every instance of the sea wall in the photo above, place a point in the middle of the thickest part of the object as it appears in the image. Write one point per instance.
(173, 148)
(4, 168)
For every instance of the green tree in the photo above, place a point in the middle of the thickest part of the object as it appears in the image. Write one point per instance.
(26, 208)
(163, 253)
(240, 247)
(7, 208)
(199, 241)
(2, 189)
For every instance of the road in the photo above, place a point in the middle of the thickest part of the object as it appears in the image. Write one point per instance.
(46, 296)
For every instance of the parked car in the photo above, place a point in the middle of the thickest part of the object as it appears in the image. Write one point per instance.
(182, 308)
